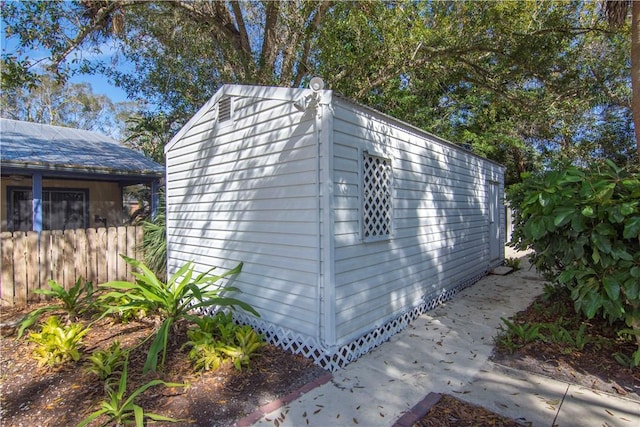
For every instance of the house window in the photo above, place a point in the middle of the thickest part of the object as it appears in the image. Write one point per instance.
(61, 209)
(224, 110)
(377, 197)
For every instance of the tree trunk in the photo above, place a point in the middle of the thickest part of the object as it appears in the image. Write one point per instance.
(635, 70)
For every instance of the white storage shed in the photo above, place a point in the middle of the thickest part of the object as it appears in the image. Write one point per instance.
(350, 223)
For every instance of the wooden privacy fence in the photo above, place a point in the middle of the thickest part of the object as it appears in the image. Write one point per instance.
(30, 260)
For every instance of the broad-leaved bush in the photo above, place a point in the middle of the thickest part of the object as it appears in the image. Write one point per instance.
(584, 228)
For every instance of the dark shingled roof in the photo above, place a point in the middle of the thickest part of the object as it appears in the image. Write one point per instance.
(45, 147)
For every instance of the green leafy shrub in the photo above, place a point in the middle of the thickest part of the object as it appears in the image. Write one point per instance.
(217, 339)
(584, 226)
(170, 301)
(57, 344)
(120, 408)
(104, 363)
(77, 300)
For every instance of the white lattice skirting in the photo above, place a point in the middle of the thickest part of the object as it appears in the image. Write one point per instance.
(332, 359)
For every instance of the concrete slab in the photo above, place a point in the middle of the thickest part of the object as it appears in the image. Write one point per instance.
(501, 271)
(447, 350)
(586, 407)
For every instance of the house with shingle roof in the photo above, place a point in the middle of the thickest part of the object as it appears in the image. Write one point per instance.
(55, 177)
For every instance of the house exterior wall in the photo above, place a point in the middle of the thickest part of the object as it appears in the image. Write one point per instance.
(105, 198)
(248, 191)
(439, 236)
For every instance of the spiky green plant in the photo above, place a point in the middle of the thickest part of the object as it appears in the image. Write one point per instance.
(120, 408)
(78, 299)
(154, 242)
(104, 363)
(171, 301)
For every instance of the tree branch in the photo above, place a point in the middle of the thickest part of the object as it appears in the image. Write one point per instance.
(269, 43)
(309, 32)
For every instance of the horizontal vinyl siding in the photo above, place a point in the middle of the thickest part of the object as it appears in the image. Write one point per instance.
(248, 192)
(440, 223)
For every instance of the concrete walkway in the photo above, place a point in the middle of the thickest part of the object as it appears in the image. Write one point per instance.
(447, 351)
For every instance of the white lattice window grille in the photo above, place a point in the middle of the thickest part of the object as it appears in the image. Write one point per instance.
(377, 197)
(225, 111)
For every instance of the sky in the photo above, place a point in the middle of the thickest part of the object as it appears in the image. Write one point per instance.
(99, 83)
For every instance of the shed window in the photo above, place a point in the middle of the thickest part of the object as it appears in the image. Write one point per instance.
(377, 200)
(224, 110)
(62, 209)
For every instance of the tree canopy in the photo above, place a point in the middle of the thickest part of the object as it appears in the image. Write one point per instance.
(523, 83)
(71, 104)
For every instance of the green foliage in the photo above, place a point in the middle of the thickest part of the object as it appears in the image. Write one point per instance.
(626, 361)
(206, 356)
(121, 408)
(572, 339)
(544, 79)
(171, 301)
(216, 339)
(523, 333)
(112, 303)
(584, 226)
(513, 263)
(57, 344)
(247, 343)
(77, 300)
(154, 242)
(104, 363)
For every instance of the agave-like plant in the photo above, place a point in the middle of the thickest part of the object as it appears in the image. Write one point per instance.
(78, 299)
(120, 408)
(171, 301)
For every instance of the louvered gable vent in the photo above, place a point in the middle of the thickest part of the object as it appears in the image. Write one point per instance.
(224, 110)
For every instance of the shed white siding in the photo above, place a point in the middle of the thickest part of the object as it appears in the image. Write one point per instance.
(439, 228)
(279, 186)
(248, 192)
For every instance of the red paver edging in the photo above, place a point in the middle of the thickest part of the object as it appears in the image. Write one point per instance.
(418, 411)
(272, 406)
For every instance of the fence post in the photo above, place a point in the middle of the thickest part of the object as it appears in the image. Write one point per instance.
(44, 261)
(101, 255)
(81, 255)
(69, 258)
(32, 264)
(121, 249)
(92, 255)
(6, 284)
(57, 254)
(20, 267)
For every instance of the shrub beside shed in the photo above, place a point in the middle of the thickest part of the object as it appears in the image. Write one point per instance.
(350, 223)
